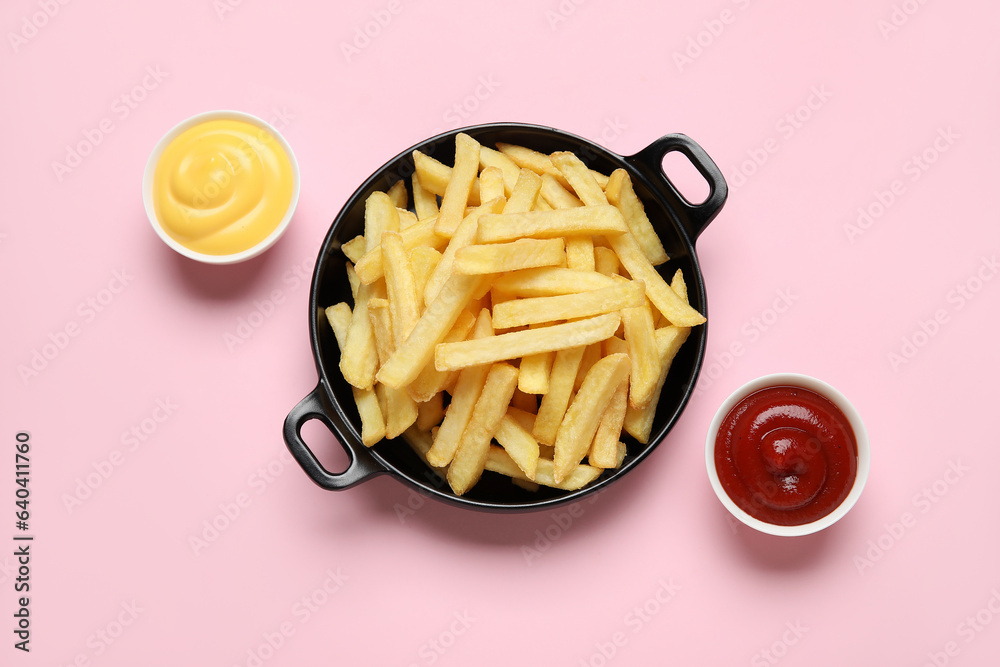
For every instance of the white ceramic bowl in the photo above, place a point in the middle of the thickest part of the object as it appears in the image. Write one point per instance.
(822, 388)
(147, 188)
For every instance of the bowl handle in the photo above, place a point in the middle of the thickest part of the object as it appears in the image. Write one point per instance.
(316, 406)
(694, 217)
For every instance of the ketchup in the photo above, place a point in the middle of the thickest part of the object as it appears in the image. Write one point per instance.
(786, 455)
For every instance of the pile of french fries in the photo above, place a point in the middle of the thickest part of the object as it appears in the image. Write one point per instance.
(515, 302)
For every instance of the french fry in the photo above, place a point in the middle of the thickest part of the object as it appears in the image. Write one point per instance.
(359, 358)
(434, 177)
(665, 299)
(556, 195)
(604, 449)
(587, 220)
(645, 365)
(456, 194)
(469, 461)
(372, 421)
(404, 305)
(437, 320)
(580, 179)
(526, 418)
(452, 356)
(639, 423)
(556, 400)
(591, 356)
(400, 410)
(579, 425)
(430, 413)
(540, 205)
(406, 218)
(526, 158)
(534, 310)
(580, 253)
(423, 261)
(580, 476)
(621, 194)
(535, 369)
(380, 216)
(463, 401)
(431, 381)
(355, 248)
(370, 267)
(464, 235)
(501, 257)
(353, 280)
(491, 184)
(525, 193)
(551, 281)
(397, 193)
(518, 443)
(508, 168)
(678, 285)
(424, 203)
(605, 261)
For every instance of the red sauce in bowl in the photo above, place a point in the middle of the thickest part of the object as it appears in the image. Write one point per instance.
(786, 455)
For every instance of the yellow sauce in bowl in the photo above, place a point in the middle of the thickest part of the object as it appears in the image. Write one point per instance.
(222, 186)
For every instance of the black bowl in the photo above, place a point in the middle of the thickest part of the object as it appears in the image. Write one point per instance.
(678, 223)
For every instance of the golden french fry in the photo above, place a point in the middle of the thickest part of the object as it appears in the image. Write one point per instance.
(602, 179)
(526, 158)
(463, 401)
(491, 184)
(456, 195)
(451, 356)
(525, 193)
(370, 267)
(435, 176)
(372, 422)
(464, 235)
(400, 410)
(678, 285)
(380, 216)
(533, 310)
(430, 413)
(580, 178)
(406, 218)
(604, 449)
(580, 253)
(665, 299)
(501, 257)
(579, 426)
(404, 305)
(554, 403)
(355, 248)
(397, 193)
(500, 461)
(591, 356)
(587, 220)
(645, 371)
(605, 261)
(423, 261)
(556, 195)
(353, 280)
(359, 359)
(535, 369)
(540, 205)
(438, 318)
(489, 158)
(639, 423)
(424, 203)
(526, 418)
(469, 461)
(431, 381)
(550, 281)
(420, 442)
(518, 443)
(621, 194)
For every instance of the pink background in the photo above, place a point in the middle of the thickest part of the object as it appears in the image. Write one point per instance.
(653, 571)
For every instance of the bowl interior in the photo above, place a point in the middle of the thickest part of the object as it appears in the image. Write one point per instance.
(330, 286)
